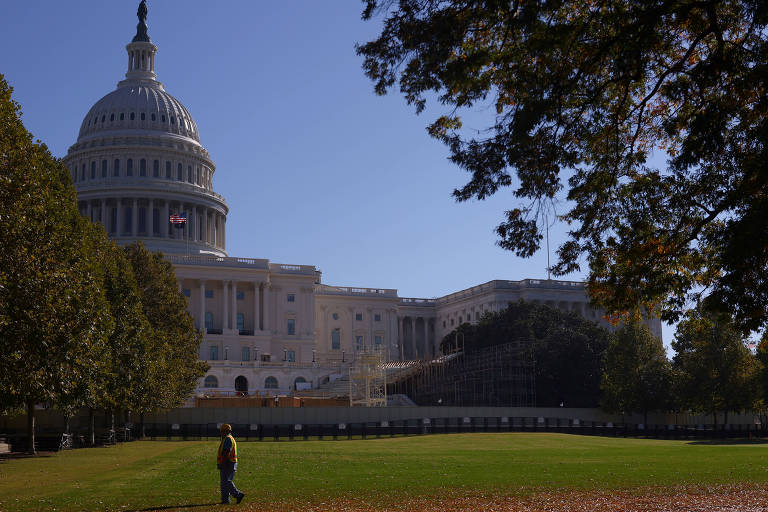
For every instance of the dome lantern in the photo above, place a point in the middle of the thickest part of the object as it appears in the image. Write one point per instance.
(141, 52)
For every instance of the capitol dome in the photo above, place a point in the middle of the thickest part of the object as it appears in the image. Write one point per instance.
(138, 107)
(139, 167)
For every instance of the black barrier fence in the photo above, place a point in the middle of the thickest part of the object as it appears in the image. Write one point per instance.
(422, 426)
(50, 441)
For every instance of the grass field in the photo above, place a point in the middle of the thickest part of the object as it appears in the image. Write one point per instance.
(441, 472)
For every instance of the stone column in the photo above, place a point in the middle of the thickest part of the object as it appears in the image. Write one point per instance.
(201, 322)
(164, 219)
(234, 306)
(401, 337)
(352, 344)
(151, 218)
(256, 307)
(266, 321)
(371, 340)
(225, 297)
(119, 228)
(134, 218)
(427, 348)
(205, 225)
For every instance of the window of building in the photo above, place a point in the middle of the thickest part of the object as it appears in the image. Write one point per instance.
(460, 319)
(168, 170)
(156, 168)
(211, 382)
(378, 340)
(153, 117)
(359, 317)
(179, 172)
(187, 292)
(245, 354)
(143, 116)
(208, 320)
(122, 116)
(156, 220)
(162, 118)
(82, 172)
(335, 316)
(189, 173)
(336, 339)
(241, 323)
(103, 118)
(129, 167)
(291, 297)
(451, 322)
(116, 168)
(197, 176)
(93, 170)
(142, 167)
(112, 117)
(133, 116)
(377, 317)
(208, 294)
(240, 295)
(291, 326)
(291, 355)
(270, 383)
(213, 353)
(128, 219)
(103, 168)
(299, 380)
(358, 343)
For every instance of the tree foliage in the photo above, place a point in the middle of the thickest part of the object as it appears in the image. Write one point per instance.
(174, 344)
(54, 317)
(638, 375)
(715, 370)
(580, 95)
(567, 349)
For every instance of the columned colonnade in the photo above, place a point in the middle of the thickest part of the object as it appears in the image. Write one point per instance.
(416, 337)
(138, 217)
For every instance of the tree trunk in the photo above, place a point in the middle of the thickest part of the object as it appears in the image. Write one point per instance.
(31, 427)
(112, 420)
(91, 427)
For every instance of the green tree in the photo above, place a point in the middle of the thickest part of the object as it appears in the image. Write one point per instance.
(54, 317)
(568, 349)
(715, 370)
(174, 342)
(579, 95)
(638, 375)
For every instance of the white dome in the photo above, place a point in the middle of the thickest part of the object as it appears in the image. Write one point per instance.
(137, 106)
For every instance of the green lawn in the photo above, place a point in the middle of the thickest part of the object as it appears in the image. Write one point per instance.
(147, 475)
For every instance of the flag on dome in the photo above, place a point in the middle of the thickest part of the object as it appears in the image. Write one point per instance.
(179, 220)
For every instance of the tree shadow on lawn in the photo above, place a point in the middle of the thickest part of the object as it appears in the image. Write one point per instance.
(727, 442)
(24, 455)
(174, 507)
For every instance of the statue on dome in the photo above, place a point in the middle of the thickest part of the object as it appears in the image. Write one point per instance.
(142, 12)
(141, 28)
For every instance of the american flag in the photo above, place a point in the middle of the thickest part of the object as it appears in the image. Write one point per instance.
(179, 219)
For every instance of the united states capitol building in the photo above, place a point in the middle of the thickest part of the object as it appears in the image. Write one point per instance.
(267, 326)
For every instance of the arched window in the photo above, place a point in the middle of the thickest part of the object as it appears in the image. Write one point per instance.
(133, 116)
(143, 116)
(211, 382)
(112, 117)
(299, 380)
(168, 170)
(142, 167)
(153, 117)
(129, 167)
(116, 168)
(179, 172)
(122, 116)
(270, 383)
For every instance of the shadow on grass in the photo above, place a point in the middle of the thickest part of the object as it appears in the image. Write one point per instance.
(727, 442)
(173, 507)
(23, 455)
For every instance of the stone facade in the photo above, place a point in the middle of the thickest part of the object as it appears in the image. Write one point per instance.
(267, 327)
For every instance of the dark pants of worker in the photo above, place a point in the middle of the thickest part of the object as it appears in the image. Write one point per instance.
(228, 488)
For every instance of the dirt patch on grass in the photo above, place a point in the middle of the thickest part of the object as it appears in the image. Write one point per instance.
(721, 499)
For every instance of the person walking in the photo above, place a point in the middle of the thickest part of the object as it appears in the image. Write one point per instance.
(226, 461)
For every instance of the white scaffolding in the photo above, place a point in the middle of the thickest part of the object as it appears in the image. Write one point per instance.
(368, 379)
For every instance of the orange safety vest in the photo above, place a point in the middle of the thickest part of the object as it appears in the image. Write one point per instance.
(221, 458)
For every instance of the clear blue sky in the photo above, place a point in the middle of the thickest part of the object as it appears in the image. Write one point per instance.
(315, 167)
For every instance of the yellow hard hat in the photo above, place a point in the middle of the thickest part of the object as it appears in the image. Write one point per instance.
(226, 427)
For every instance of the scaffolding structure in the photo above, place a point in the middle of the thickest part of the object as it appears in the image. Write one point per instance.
(368, 379)
(501, 375)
